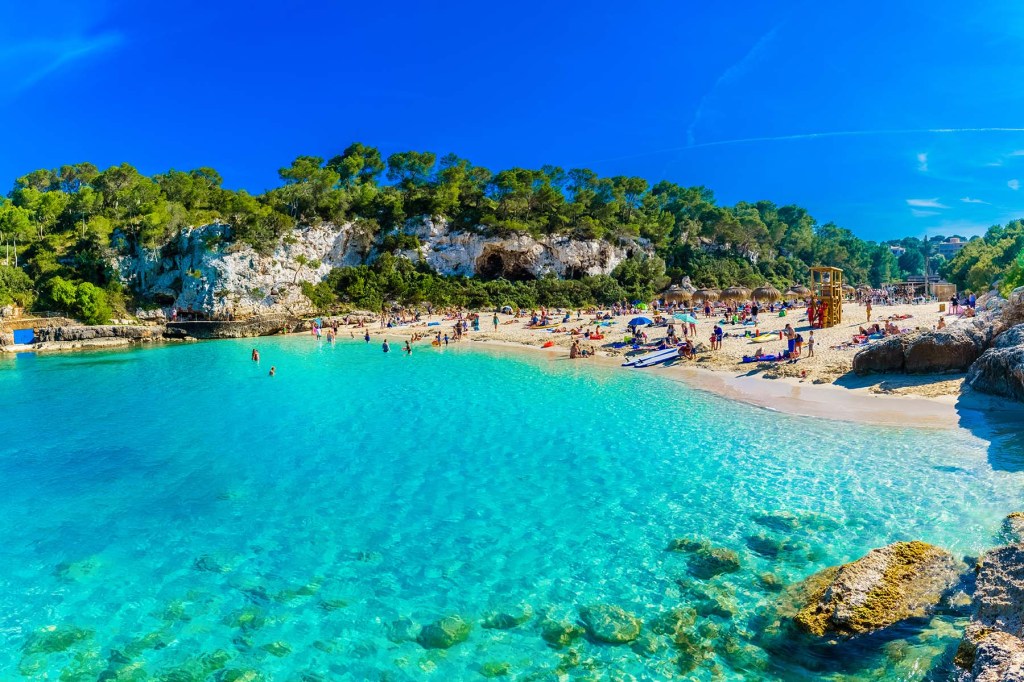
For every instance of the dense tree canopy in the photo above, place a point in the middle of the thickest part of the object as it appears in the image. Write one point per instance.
(72, 222)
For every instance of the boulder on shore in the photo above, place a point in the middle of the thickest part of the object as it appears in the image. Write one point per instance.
(887, 585)
(992, 648)
(1000, 369)
(952, 349)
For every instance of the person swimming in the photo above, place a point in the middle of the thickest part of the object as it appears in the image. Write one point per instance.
(273, 371)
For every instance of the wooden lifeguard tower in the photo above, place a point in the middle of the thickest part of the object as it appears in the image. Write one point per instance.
(827, 290)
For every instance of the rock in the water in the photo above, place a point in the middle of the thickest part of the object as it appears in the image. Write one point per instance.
(993, 645)
(1013, 528)
(902, 580)
(705, 560)
(508, 618)
(611, 624)
(1000, 369)
(444, 634)
(559, 633)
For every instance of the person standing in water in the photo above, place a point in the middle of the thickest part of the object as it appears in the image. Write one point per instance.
(273, 371)
(366, 336)
(385, 347)
(255, 355)
(408, 348)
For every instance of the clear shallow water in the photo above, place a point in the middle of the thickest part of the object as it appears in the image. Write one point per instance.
(175, 514)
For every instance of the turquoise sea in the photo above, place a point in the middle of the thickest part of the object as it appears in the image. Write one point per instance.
(175, 514)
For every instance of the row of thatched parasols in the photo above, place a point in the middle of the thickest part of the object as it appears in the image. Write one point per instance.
(683, 294)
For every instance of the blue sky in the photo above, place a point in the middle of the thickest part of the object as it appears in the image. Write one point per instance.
(890, 118)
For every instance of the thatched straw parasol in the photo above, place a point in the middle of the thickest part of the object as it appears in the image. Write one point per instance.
(864, 287)
(704, 295)
(736, 294)
(800, 290)
(675, 294)
(767, 293)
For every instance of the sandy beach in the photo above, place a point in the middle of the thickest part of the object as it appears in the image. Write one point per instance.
(813, 385)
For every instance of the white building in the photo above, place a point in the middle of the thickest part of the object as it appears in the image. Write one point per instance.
(949, 248)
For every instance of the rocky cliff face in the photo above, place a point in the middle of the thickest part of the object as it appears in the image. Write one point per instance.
(200, 271)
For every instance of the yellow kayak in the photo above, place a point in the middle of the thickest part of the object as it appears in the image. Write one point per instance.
(763, 338)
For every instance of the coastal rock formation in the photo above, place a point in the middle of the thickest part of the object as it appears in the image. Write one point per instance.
(444, 634)
(518, 256)
(1000, 369)
(902, 580)
(992, 648)
(953, 349)
(200, 270)
(87, 333)
(610, 624)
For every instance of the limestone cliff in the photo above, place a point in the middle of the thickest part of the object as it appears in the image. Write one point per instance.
(201, 270)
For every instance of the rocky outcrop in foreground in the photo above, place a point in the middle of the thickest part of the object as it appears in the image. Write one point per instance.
(1000, 369)
(992, 648)
(902, 580)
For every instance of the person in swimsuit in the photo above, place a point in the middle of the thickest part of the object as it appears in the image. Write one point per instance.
(273, 371)
(366, 336)
(385, 346)
(255, 355)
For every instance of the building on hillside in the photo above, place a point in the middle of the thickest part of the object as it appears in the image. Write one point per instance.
(949, 248)
(897, 250)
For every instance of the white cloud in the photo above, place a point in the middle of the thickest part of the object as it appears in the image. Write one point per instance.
(969, 200)
(922, 162)
(1014, 184)
(994, 164)
(1019, 152)
(918, 213)
(926, 203)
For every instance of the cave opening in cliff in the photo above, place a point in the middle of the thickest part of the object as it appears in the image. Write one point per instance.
(496, 265)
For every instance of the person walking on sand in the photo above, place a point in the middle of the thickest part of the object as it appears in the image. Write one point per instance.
(790, 335)
(868, 307)
(495, 320)
(810, 345)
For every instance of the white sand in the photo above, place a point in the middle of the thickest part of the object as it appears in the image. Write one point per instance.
(888, 399)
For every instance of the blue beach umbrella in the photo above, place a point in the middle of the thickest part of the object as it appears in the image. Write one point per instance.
(640, 321)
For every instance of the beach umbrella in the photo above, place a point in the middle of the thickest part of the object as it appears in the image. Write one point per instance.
(640, 321)
(790, 295)
(676, 294)
(705, 295)
(642, 306)
(735, 294)
(767, 293)
(685, 317)
(800, 290)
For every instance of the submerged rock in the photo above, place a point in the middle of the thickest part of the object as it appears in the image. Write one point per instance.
(992, 648)
(508, 618)
(610, 624)
(902, 580)
(52, 639)
(674, 621)
(560, 633)
(705, 560)
(495, 669)
(445, 633)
